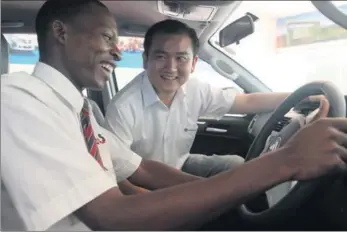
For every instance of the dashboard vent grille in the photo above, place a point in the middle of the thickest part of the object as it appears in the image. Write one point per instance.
(284, 122)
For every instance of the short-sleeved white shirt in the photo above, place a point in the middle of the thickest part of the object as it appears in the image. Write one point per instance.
(47, 172)
(154, 131)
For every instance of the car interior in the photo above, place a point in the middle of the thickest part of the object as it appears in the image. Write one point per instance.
(320, 205)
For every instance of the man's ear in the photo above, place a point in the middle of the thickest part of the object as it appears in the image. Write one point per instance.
(59, 31)
(195, 60)
(144, 60)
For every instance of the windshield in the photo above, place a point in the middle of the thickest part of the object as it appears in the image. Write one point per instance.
(293, 44)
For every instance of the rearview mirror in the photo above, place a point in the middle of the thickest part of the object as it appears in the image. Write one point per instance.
(237, 30)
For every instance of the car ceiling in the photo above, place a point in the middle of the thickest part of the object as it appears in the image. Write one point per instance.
(133, 17)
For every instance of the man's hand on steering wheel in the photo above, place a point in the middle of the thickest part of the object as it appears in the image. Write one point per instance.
(319, 148)
(316, 98)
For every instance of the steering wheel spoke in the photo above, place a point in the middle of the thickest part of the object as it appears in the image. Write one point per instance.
(277, 139)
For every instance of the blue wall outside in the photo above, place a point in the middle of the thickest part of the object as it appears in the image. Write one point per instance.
(129, 59)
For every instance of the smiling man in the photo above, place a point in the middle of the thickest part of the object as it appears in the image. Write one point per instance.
(156, 114)
(56, 175)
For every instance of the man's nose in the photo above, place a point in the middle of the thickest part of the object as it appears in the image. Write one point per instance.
(116, 53)
(171, 64)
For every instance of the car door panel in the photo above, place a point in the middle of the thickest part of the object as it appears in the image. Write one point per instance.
(225, 136)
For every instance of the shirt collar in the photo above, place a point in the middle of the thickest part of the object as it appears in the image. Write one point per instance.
(150, 96)
(148, 93)
(60, 84)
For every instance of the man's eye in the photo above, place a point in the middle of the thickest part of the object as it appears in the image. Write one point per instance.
(182, 58)
(107, 37)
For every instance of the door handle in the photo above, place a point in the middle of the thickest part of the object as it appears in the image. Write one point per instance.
(216, 130)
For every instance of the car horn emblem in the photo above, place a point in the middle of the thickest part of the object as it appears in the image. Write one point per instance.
(276, 143)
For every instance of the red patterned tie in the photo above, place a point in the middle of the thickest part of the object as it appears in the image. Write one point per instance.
(89, 134)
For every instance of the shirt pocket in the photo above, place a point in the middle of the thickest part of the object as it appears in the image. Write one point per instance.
(187, 135)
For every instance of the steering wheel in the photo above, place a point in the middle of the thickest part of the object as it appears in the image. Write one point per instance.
(289, 195)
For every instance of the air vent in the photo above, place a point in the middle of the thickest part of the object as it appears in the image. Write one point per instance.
(281, 124)
(251, 124)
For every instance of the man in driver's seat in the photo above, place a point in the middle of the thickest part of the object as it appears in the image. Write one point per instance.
(156, 114)
(60, 169)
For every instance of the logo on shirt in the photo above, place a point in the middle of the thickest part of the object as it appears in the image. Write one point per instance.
(100, 139)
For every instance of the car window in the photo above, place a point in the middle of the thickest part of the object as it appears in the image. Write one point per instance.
(206, 73)
(23, 52)
(131, 64)
(24, 55)
(292, 44)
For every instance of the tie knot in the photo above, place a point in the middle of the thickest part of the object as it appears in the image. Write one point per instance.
(85, 108)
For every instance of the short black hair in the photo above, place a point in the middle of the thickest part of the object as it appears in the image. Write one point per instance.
(64, 10)
(173, 27)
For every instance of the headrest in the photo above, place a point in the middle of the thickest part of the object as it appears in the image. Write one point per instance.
(4, 55)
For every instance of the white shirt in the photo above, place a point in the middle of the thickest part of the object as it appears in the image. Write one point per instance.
(47, 172)
(154, 131)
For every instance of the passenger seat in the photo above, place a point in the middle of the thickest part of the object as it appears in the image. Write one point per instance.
(100, 118)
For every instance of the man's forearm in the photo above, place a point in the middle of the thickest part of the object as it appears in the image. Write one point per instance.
(155, 175)
(128, 188)
(188, 206)
(268, 101)
(255, 103)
